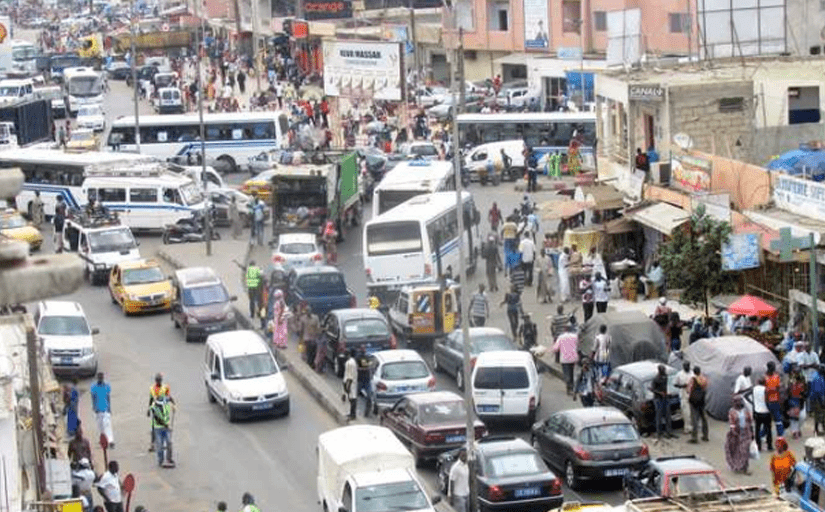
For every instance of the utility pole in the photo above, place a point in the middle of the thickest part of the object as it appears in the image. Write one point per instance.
(32, 355)
(207, 215)
(814, 294)
(255, 49)
(416, 62)
(135, 84)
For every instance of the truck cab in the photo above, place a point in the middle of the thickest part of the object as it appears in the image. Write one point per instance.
(101, 241)
(16, 89)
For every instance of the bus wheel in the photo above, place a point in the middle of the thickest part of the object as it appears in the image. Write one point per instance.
(228, 163)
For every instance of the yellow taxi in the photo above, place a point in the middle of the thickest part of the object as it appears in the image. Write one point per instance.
(13, 225)
(259, 185)
(81, 141)
(140, 286)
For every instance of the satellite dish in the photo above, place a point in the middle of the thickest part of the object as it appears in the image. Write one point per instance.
(683, 140)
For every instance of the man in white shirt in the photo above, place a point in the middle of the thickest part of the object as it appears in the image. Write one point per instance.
(83, 477)
(761, 416)
(350, 383)
(527, 248)
(809, 362)
(681, 382)
(109, 487)
(459, 486)
(744, 387)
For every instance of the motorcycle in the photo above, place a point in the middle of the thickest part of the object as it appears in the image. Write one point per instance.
(190, 229)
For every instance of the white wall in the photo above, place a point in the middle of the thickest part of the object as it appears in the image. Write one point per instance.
(771, 82)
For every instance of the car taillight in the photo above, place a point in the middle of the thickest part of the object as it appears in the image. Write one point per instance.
(581, 453)
(317, 257)
(352, 301)
(473, 362)
(368, 272)
(431, 382)
(644, 451)
(555, 487)
(494, 493)
(380, 386)
(433, 438)
(278, 259)
(532, 405)
(428, 269)
(393, 341)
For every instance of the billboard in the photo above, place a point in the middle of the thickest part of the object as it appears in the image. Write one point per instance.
(734, 28)
(800, 196)
(363, 69)
(742, 251)
(327, 9)
(624, 35)
(690, 173)
(536, 26)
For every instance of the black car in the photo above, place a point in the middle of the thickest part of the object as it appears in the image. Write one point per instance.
(448, 352)
(510, 475)
(592, 443)
(670, 477)
(628, 390)
(322, 287)
(146, 72)
(352, 329)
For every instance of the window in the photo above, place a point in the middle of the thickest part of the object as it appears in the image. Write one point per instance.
(816, 50)
(499, 18)
(803, 105)
(112, 195)
(143, 195)
(731, 104)
(571, 14)
(679, 22)
(600, 21)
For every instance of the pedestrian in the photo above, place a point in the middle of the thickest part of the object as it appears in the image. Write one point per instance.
(586, 290)
(739, 436)
(161, 413)
(248, 502)
(506, 163)
(241, 79)
(108, 485)
(797, 393)
(71, 409)
(479, 307)
(254, 278)
(773, 397)
(37, 210)
(782, 465)
(350, 383)
(509, 233)
(601, 352)
(312, 334)
(258, 218)
(517, 274)
(364, 379)
(601, 293)
(809, 363)
(513, 301)
(564, 276)
(494, 216)
(559, 323)
(459, 483)
(661, 403)
(330, 235)
(324, 107)
(697, 393)
(761, 415)
(156, 391)
(816, 400)
(61, 136)
(58, 221)
(528, 332)
(101, 393)
(642, 163)
(546, 275)
(675, 328)
(682, 383)
(595, 262)
(744, 387)
(279, 321)
(527, 248)
(567, 345)
(84, 479)
(79, 447)
(234, 218)
(492, 261)
(586, 384)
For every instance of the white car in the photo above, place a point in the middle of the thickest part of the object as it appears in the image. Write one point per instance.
(443, 110)
(397, 373)
(429, 96)
(419, 149)
(66, 337)
(91, 117)
(263, 161)
(297, 250)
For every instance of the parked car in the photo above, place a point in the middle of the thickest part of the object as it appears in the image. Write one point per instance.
(419, 149)
(352, 329)
(14, 226)
(66, 337)
(448, 352)
(91, 117)
(140, 286)
(628, 390)
(397, 373)
(430, 423)
(672, 476)
(506, 385)
(591, 443)
(297, 250)
(510, 475)
(323, 287)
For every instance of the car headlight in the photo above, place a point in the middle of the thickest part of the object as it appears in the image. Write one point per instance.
(132, 297)
(235, 396)
(191, 319)
(87, 351)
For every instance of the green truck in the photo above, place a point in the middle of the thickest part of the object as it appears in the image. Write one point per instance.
(304, 197)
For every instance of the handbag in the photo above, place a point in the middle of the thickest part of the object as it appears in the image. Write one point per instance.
(753, 450)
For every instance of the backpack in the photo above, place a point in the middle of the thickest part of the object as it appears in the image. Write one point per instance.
(697, 394)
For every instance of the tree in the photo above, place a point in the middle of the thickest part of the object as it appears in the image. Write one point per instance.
(692, 258)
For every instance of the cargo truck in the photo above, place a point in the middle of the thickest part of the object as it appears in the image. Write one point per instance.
(32, 120)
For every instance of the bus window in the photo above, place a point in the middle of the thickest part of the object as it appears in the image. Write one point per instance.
(117, 195)
(92, 194)
(171, 195)
(213, 133)
(143, 195)
(237, 133)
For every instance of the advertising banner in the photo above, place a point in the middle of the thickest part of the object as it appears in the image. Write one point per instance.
(363, 69)
(690, 173)
(742, 251)
(536, 26)
(327, 9)
(800, 196)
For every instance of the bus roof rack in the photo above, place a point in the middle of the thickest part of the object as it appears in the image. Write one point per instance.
(146, 170)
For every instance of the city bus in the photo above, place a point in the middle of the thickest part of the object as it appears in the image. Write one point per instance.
(24, 62)
(412, 242)
(545, 132)
(231, 138)
(409, 179)
(83, 86)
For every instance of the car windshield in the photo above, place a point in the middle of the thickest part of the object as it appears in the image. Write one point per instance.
(325, 282)
(85, 86)
(397, 496)
(10, 90)
(695, 483)
(296, 248)
(112, 240)
(191, 194)
(366, 328)
(143, 275)
(63, 326)
(423, 150)
(443, 412)
(608, 434)
(249, 366)
(488, 342)
(514, 464)
(404, 370)
(13, 221)
(494, 377)
(205, 295)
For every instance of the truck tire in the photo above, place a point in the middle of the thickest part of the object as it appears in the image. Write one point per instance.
(229, 162)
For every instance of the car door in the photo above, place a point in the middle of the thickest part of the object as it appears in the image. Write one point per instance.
(393, 417)
(456, 353)
(546, 441)
(440, 351)
(115, 285)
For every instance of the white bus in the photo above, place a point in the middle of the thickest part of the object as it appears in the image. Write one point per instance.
(409, 179)
(84, 86)
(411, 242)
(543, 131)
(231, 138)
(24, 63)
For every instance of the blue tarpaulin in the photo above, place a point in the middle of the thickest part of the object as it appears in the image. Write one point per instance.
(786, 161)
(574, 85)
(812, 165)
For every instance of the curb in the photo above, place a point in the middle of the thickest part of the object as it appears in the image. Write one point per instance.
(322, 393)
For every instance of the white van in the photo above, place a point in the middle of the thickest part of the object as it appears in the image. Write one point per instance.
(506, 384)
(242, 375)
(362, 467)
(168, 101)
(101, 241)
(16, 89)
(66, 337)
(478, 158)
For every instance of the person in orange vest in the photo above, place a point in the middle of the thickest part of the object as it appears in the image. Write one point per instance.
(158, 389)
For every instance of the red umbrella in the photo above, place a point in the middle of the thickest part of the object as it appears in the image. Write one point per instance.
(749, 305)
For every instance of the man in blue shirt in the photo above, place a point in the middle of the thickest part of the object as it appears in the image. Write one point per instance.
(816, 395)
(101, 393)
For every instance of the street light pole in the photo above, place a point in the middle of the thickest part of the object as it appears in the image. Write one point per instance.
(207, 218)
(134, 77)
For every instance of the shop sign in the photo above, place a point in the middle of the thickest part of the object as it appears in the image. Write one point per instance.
(646, 92)
(800, 196)
(363, 69)
(327, 9)
(569, 53)
(690, 173)
(742, 251)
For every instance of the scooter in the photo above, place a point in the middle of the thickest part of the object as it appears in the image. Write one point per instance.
(190, 229)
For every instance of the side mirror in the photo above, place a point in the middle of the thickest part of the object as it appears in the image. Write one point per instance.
(436, 499)
(95, 330)
(233, 298)
(342, 509)
(215, 376)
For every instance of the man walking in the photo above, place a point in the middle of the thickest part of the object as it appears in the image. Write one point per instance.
(234, 218)
(109, 487)
(253, 287)
(527, 248)
(479, 307)
(773, 397)
(459, 483)
(682, 383)
(37, 210)
(350, 383)
(697, 390)
(364, 384)
(567, 346)
(660, 402)
(59, 220)
(101, 393)
(492, 260)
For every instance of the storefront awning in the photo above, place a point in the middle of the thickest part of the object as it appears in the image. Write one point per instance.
(514, 59)
(601, 197)
(662, 217)
(776, 219)
(618, 226)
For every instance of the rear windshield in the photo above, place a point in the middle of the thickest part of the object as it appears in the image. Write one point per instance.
(203, 295)
(514, 464)
(502, 378)
(366, 328)
(296, 248)
(394, 238)
(322, 283)
(608, 434)
(443, 412)
(404, 370)
(695, 483)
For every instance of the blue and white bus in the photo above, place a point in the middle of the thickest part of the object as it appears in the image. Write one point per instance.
(231, 138)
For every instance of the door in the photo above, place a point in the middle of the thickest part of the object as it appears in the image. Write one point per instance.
(424, 308)
(547, 442)
(487, 392)
(650, 132)
(515, 390)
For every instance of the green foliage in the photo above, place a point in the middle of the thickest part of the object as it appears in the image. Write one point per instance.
(692, 258)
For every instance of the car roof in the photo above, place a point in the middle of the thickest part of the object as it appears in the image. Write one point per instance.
(644, 370)
(356, 314)
(318, 269)
(296, 238)
(146, 263)
(503, 358)
(60, 308)
(681, 464)
(194, 276)
(485, 331)
(397, 355)
(238, 343)
(589, 416)
(434, 397)
(494, 445)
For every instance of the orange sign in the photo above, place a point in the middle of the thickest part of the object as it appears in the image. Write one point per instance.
(4, 32)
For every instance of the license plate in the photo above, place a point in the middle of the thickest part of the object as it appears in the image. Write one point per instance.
(615, 472)
(403, 389)
(65, 361)
(529, 492)
(456, 439)
(487, 408)
(261, 407)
